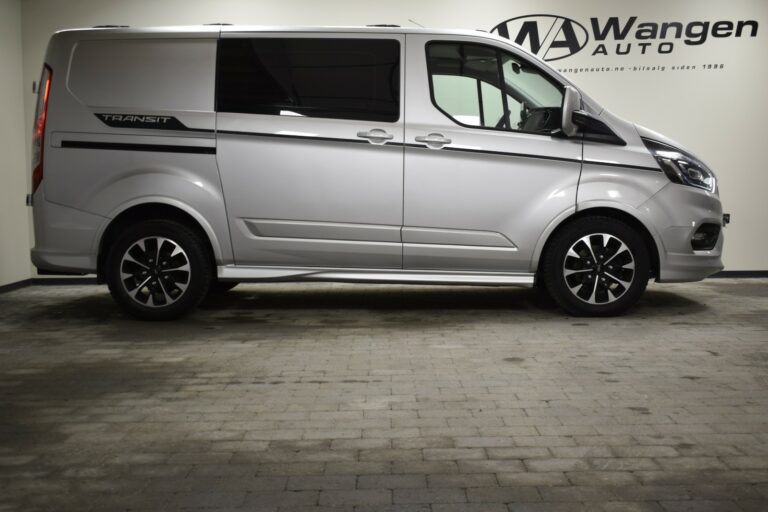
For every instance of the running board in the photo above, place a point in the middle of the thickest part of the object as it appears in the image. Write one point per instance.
(255, 274)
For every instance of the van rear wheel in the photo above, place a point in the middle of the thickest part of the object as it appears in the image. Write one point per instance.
(159, 270)
(596, 266)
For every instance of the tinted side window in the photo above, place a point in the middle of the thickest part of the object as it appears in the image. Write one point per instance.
(332, 78)
(478, 85)
(465, 83)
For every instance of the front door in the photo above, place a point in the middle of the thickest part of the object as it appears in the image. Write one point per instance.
(485, 170)
(310, 148)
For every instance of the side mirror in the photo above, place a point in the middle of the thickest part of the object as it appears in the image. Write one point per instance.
(571, 103)
(594, 129)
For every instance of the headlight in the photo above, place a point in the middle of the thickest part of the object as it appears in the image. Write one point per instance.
(681, 167)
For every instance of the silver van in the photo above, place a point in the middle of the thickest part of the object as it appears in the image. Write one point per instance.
(177, 161)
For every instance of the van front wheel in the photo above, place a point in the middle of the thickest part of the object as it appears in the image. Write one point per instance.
(596, 266)
(159, 270)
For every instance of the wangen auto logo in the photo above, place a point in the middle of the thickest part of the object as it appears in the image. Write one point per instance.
(547, 36)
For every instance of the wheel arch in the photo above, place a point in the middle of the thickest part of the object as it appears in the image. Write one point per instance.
(156, 209)
(652, 242)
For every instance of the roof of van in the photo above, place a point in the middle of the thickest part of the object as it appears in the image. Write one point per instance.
(224, 28)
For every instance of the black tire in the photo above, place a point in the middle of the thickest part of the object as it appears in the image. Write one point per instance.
(173, 243)
(218, 287)
(590, 281)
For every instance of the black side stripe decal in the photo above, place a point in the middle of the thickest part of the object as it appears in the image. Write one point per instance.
(499, 153)
(449, 148)
(542, 157)
(624, 166)
(120, 146)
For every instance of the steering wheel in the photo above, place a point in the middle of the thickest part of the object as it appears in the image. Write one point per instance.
(525, 112)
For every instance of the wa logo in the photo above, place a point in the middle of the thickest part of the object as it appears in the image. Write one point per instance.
(547, 36)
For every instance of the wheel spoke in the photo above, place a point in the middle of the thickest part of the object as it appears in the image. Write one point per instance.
(135, 292)
(572, 253)
(625, 284)
(155, 272)
(130, 258)
(594, 292)
(599, 268)
(621, 249)
(591, 248)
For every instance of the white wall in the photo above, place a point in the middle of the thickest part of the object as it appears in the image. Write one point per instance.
(14, 217)
(721, 115)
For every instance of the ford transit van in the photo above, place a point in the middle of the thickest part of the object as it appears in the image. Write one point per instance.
(175, 161)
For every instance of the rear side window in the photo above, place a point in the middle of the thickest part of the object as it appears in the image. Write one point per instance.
(332, 78)
(144, 74)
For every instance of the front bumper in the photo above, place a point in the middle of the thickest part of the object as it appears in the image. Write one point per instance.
(676, 212)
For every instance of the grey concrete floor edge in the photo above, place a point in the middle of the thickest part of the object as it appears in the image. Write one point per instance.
(313, 397)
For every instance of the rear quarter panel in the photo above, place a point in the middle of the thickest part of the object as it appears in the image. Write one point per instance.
(126, 72)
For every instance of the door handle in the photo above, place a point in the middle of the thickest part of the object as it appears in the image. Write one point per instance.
(433, 140)
(376, 136)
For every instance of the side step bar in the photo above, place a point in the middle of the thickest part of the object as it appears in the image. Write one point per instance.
(256, 274)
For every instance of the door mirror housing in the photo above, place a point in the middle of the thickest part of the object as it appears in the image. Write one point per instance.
(571, 104)
(594, 129)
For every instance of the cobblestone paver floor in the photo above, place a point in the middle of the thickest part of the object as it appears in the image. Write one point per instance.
(294, 397)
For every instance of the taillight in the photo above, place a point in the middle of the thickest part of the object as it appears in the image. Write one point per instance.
(38, 131)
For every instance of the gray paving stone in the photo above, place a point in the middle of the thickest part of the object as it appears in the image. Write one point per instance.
(390, 454)
(628, 506)
(321, 483)
(565, 452)
(746, 462)
(357, 468)
(362, 398)
(644, 451)
(556, 464)
(411, 507)
(702, 506)
(525, 452)
(469, 507)
(689, 463)
(602, 478)
(541, 479)
(281, 498)
(423, 442)
(462, 480)
(454, 453)
(391, 481)
(206, 500)
(490, 466)
(549, 507)
(356, 497)
(502, 494)
(431, 466)
(577, 493)
(441, 495)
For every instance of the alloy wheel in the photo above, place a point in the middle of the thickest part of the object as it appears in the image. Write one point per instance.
(599, 268)
(155, 271)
